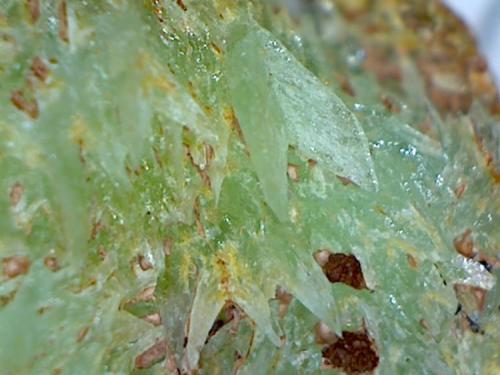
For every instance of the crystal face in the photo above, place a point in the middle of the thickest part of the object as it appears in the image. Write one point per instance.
(223, 186)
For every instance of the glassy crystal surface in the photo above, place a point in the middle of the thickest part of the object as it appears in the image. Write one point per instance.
(224, 186)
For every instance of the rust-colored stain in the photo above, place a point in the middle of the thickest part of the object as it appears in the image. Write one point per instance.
(224, 275)
(346, 86)
(209, 154)
(353, 353)
(158, 10)
(52, 263)
(33, 7)
(390, 104)
(197, 217)
(216, 48)
(489, 160)
(460, 189)
(425, 325)
(39, 69)
(464, 244)
(102, 252)
(276, 9)
(82, 334)
(311, 163)
(151, 356)
(203, 172)
(344, 268)
(284, 299)
(15, 265)
(42, 310)
(63, 22)
(233, 122)
(412, 262)
(30, 107)
(144, 263)
(181, 5)
(345, 180)
(97, 227)
(229, 313)
(492, 168)
(7, 298)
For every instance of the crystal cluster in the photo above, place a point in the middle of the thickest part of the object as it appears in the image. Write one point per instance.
(229, 186)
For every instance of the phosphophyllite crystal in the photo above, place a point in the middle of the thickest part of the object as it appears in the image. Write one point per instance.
(246, 187)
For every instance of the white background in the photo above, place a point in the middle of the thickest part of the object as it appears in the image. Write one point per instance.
(483, 18)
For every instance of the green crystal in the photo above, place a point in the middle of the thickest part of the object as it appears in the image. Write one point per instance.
(173, 158)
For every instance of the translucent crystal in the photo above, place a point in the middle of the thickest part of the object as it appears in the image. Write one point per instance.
(179, 178)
